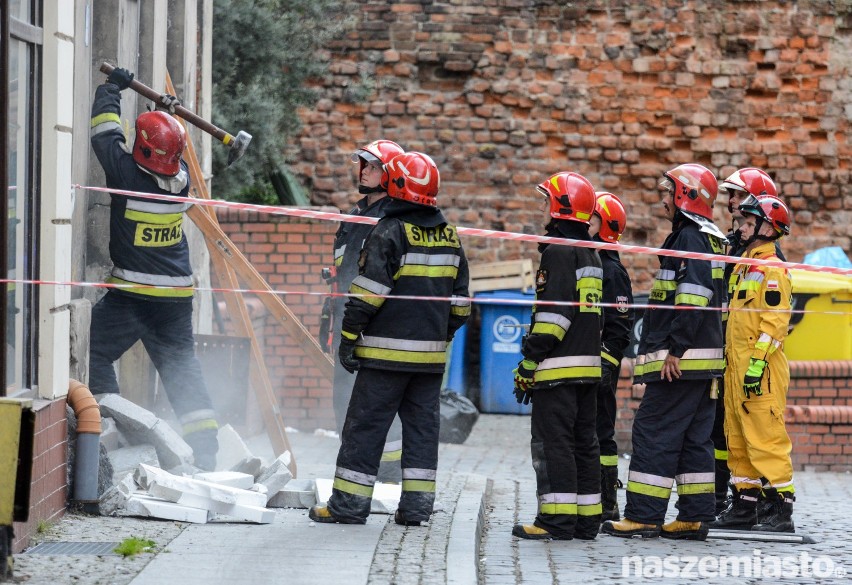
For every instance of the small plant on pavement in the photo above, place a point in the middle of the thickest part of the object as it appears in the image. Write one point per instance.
(133, 546)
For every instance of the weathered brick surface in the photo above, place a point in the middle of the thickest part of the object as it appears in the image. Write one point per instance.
(503, 93)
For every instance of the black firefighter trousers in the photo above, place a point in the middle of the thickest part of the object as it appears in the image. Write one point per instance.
(377, 396)
(671, 443)
(566, 460)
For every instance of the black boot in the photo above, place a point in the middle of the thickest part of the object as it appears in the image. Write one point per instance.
(780, 517)
(609, 487)
(723, 477)
(741, 514)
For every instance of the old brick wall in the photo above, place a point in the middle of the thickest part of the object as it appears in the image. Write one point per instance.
(503, 93)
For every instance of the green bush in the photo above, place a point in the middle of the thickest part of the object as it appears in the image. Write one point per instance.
(264, 54)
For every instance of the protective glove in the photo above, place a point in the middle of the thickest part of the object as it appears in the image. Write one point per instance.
(167, 103)
(753, 376)
(120, 77)
(524, 374)
(346, 355)
(608, 370)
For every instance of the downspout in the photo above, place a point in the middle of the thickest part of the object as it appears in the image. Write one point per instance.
(86, 463)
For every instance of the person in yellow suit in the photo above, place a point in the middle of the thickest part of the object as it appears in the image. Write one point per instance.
(757, 377)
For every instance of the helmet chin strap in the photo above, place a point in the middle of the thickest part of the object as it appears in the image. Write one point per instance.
(364, 190)
(756, 236)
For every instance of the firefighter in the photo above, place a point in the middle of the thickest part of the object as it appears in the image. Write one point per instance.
(561, 369)
(373, 184)
(739, 185)
(680, 356)
(607, 225)
(398, 345)
(757, 377)
(148, 247)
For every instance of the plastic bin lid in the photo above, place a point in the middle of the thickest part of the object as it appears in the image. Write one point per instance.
(805, 281)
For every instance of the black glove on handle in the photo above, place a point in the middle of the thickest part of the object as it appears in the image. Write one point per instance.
(346, 354)
(120, 77)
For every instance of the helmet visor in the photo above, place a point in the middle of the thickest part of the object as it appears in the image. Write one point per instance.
(366, 156)
(666, 185)
(751, 205)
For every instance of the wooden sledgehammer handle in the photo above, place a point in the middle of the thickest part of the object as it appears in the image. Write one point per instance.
(181, 111)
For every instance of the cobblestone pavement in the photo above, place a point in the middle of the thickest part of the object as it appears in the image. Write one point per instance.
(292, 550)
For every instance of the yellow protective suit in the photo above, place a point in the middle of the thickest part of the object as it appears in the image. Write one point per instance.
(758, 444)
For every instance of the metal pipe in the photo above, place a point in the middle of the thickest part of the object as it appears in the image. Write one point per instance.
(87, 460)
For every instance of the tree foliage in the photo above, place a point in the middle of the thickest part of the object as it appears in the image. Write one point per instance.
(264, 53)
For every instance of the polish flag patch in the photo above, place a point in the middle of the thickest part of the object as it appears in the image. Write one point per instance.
(772, 285)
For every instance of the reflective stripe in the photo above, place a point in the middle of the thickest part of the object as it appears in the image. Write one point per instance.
(349, 336)
(720, 455)
(371, 286)
(554, 318)
(198, 415)
(553, 509)
(589, 272)
(558, 503)
(151, 292)
(429, 265)
(154, 218)
(418, 485)
(686, 478)
(154, 279)
(200, 425)
(693, 290)
(391, 455)
(403, 344)
(691, 489)
(393, 446)
(155, 207)
(664, 274)
(548, 329)
(589, 510)
(419, 473)
(609, 460)
(756, 276)
(559, 498)
(583, 366)
(610, 359)
(356, 476)
(650, 479)
(588, 499)
(649, 484)
(356, 489)
(692, 360)
(431, 259)
(746, 480)
(460, 307)
(339, 252)
(104, 122)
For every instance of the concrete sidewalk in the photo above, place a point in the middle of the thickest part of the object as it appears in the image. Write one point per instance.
(484, 487)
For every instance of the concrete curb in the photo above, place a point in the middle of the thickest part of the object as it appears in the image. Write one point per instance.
(466, 532)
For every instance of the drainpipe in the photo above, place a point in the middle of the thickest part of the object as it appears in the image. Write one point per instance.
(86, 463)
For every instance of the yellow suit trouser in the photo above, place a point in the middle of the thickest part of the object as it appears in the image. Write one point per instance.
(758, 444)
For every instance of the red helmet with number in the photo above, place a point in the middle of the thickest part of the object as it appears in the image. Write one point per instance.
(159, 143)
(413, 176)
(770, 209)
(378, 151)
(695, 189)
(571, 196)
(610, 209)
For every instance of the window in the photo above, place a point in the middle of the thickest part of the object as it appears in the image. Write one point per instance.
(22, 39)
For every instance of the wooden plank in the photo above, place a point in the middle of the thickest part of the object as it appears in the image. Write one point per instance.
(215, 238)
(511, 274)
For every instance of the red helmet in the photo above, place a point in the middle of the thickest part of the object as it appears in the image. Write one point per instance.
(159, 143)
(770, 209)
(378, 151)
(695, 189)
(610, 209)
(571, 196)
(749, 181)
(414, 177)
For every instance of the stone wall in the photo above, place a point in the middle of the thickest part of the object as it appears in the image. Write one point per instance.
(503, 93)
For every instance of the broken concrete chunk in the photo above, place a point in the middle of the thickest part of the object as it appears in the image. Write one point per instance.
(232, 449)
(145, 505)
(116, 496)
(234, 479)
(250, 465)
(110, 437)
(128, 416)
(277, 475)
(298, 493)
(127, 459)
(171, 448)
(171, 487)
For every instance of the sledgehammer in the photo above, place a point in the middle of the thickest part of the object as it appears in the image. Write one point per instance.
(238, 144)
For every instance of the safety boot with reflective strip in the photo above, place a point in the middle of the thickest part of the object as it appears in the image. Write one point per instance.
(741, 514)
(323, 515)
(630, 529)
(680, 530)
(533, 532)
(779, 517)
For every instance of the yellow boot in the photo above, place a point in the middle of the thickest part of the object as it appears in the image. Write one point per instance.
(628, 529)
(533, 532)
(680, 530)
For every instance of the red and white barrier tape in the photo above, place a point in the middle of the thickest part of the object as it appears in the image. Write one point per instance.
(476, 300)
(476, 232)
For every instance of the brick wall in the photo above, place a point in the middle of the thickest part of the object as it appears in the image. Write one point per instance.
(503, 93)
(49, 483)
(818, 415)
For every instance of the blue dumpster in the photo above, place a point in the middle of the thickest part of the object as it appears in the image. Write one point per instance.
(500, 349)
(456, 374)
